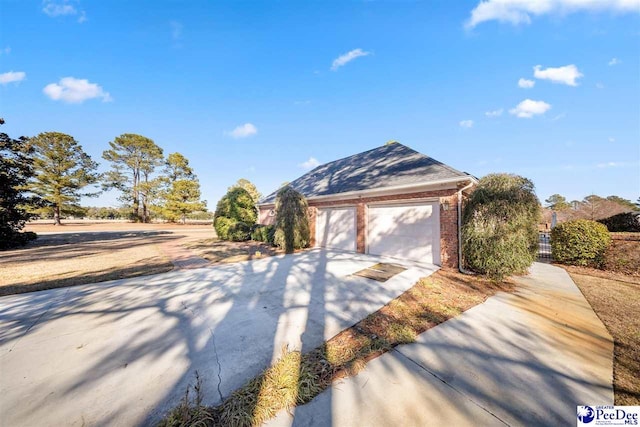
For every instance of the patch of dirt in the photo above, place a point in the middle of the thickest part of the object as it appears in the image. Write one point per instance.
(220, 251)
(623, 256)
(617, 304)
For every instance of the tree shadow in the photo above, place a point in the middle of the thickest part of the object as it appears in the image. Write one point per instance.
(126, 350)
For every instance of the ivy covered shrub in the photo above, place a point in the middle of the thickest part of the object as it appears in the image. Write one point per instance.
(235, 215)
(499, 231)
(292, 220)
(623, 222)
(580, 242)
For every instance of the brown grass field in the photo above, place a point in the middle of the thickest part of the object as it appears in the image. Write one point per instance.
(81, 252)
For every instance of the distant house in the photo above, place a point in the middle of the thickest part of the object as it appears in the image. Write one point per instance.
(390, 201)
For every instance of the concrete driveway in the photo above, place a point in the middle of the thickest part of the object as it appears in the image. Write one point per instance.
(123, 352)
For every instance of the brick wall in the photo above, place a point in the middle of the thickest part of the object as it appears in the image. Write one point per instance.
(448, 219)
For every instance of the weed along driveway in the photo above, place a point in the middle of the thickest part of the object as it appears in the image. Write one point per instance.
(124, 352)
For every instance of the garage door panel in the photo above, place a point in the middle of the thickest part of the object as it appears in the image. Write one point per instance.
(405, 231)
(336, 228)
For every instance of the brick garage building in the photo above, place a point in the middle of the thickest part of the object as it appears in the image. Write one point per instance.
(390, 201)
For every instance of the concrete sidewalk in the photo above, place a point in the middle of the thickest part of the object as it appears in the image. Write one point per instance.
(526, 358)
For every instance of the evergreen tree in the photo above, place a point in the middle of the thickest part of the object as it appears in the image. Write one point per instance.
(292, 220)
(499, 232)
(182, 194)
(62, 171)
(557, 203)
(133, 160)
(249, 187)
(15, 171)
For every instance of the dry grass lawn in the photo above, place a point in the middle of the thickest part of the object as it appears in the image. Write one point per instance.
(616, 300)
(297, 378)
(73, 258)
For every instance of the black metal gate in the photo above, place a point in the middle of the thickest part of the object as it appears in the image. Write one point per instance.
(544, 246)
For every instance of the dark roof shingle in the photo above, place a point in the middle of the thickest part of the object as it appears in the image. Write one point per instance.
(387, 166)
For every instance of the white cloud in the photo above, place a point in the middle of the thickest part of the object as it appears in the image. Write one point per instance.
(12, 76)
(518, 12)
(309, 164)
(566, 75)
(348, 57)
(614, 61)
(5, 51)
(611, 139)
(529, 108)
(559, 117)
(466, 124)
(526, 84)
(494, 113)
(55, 8)
(599, 85)
(610, 165)
(243, 131)
(72, 90)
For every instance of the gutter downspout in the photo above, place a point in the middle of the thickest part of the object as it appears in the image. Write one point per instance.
(460, 265)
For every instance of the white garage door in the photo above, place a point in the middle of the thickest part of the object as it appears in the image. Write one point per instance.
(336, 228)
(407, 231)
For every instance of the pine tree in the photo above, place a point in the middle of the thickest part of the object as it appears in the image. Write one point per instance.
(15, 171)
(249, 186)
(133, 161)
(62, 171)
(182, 195)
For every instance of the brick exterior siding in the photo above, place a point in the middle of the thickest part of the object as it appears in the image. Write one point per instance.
(448, 219)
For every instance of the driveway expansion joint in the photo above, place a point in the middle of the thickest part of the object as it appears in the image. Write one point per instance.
(451, 387)
(46, 310)
(215, 352)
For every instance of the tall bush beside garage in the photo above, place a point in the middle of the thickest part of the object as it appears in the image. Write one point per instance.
(580, 242)
(292, 220)
(235, 215)
(499, 232)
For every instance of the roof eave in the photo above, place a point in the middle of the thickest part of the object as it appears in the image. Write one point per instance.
(397, 189)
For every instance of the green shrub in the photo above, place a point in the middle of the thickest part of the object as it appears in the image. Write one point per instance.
(580, 242)
(292, 220)
(624, 222)
(263, 233)
(231, 229)
(235, 215)
(499, 232)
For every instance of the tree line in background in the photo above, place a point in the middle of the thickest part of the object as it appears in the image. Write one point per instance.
(48, 174)
(592, 207)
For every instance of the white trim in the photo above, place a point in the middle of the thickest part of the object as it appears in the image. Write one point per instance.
(405, 202)
(443, 184)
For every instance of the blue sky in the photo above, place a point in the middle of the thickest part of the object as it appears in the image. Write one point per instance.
(548, 89)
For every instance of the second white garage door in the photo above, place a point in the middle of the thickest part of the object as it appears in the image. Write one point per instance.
(407, 231)
(336, 228)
